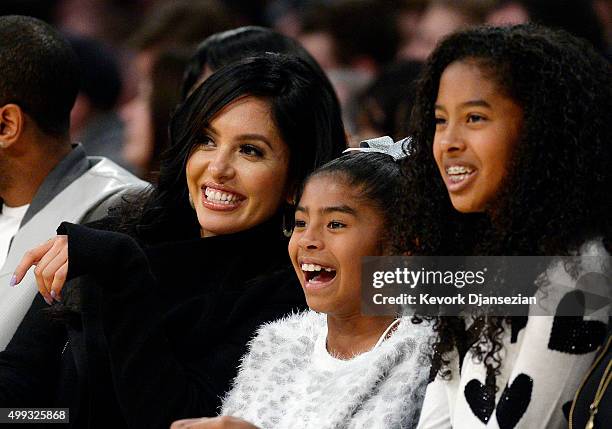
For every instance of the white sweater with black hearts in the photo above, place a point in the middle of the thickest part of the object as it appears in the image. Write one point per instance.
(542, 364)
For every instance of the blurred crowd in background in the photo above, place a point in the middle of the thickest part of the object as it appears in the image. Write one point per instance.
(134, 53)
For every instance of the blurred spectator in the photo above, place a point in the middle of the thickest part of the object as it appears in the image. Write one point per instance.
(93, 120)
(176, 25)
(147, 115)
(578, 17)
(317, 38)
(285, 16)
(180, 23)
(409, 14)
(226, 47)
(109, 21)
(442, 17)
(359, 34)
(352, 40)
(383, 108)
(508, 12)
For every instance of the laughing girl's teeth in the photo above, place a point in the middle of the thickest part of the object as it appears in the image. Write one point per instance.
(315, 267)
(220, 197)
(316, 275)
(311, 267)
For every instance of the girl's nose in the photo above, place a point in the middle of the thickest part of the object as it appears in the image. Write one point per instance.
(310, 241)
(452, 139)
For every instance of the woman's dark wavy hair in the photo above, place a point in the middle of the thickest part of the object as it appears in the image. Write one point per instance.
(557, 195)
(230, 46)
(376, 176)
(303, 106)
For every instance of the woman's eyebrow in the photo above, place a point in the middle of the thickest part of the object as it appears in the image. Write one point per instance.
(259, 137)
(210, 129)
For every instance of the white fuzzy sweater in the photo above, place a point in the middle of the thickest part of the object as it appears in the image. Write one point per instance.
(289, 380)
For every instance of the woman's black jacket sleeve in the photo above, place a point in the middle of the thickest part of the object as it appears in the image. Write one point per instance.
(156, 376)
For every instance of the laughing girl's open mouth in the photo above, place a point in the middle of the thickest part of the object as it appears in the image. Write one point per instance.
(318, 274)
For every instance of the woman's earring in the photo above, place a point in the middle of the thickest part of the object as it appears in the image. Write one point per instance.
(288, 214)
(191, 201)
(287, 230)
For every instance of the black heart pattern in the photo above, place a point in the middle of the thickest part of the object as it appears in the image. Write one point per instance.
(518, 323)
(514, 401)
(573, 334)
(566, 409)
(481, 399)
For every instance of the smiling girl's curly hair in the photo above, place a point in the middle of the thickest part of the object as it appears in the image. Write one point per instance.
(558, 192)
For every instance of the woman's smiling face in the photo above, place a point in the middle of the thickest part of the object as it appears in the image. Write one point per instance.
(237, 174)
(477, 129)
(334, 229)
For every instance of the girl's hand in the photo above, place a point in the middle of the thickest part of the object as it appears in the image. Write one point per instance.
(51, 261)
(222, 422)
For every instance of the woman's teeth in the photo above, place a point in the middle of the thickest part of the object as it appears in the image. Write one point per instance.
(220, 197)
(315, 267)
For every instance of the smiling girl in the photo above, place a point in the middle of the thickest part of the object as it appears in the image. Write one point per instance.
(333, 366)
(511, 156)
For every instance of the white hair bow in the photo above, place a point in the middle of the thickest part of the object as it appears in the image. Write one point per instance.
(397, 150)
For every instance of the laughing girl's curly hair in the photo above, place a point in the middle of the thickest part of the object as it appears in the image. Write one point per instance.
(558, 193)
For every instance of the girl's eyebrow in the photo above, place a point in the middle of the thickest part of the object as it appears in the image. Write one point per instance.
(342, 209)
(331, 209)
(476, 103)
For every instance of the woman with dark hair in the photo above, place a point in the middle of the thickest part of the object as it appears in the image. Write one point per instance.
(511, 155)
(155, 321)
(229, 46)
(174, 76)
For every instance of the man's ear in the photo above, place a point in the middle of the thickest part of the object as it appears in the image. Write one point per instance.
(11, 124)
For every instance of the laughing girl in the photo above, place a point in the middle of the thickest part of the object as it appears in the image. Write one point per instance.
(512, 156)
(332, 366)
